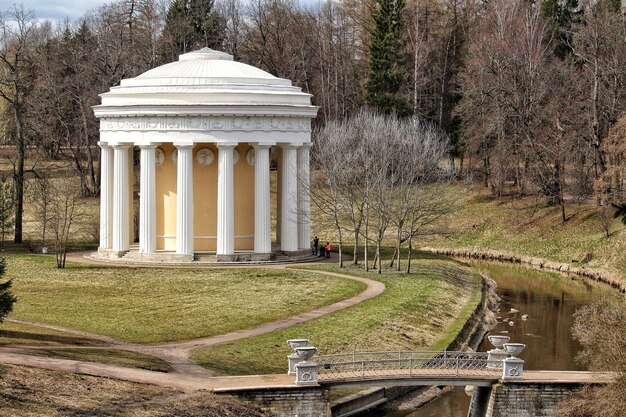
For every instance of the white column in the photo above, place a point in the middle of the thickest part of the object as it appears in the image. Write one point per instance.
(106, 196)
(184, 199)
(225, 200)
(147, 200)
(304, 206)
(289, 206)
(121, 199)
(262, 212)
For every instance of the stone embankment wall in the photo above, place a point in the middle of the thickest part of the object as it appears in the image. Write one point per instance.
(613, 279)
(520, 399)
(299, 402)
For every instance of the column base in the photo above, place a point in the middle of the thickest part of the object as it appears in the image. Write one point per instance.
(299, 252)
(246, 257)
(110, 253)
(160, 257)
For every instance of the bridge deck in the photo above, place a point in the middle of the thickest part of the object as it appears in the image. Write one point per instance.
(282, 381)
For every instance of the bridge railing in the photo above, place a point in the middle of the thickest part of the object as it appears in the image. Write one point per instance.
(399, 363)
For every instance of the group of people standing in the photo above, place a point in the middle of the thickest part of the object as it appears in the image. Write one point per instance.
(321, 251)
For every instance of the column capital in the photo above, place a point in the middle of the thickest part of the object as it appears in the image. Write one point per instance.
(149, 146)
(289, 145)
(262, 145)
(104, 145)
(122, 145)
(183, 145)
(226, 145)
(307, 145)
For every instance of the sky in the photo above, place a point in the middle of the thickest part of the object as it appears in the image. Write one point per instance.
(55, 10)
(58, 10)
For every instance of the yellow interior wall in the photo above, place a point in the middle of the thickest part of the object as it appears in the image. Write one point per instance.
(166, 201)
(244, 201)
(205, 201)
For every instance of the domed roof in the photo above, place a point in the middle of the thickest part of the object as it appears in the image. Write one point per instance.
(208, 79)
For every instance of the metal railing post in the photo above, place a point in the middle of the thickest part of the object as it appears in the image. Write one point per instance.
(362, 369)
(457, 366)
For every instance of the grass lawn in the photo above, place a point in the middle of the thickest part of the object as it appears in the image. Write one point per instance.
(37, 392)
(425, 309)
(109, 356)
(146, 305)
(528, 226)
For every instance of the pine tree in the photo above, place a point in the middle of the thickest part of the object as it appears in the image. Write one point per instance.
(561, 14)
(193, 24)
(387, 60)
(7, 299)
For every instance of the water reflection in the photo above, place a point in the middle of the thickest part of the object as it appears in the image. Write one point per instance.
(549, 300)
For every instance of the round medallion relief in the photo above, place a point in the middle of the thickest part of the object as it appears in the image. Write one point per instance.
(174, 156)
(235, 157)
(159, 156)
(250, 157)
(205, 157)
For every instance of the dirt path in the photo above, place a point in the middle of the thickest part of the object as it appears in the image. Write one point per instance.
(179, 381)
(177, 354)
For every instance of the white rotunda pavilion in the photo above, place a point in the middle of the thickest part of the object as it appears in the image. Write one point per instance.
(204, 126)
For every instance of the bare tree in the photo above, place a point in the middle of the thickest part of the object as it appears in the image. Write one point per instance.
(17, 51)
(64, 209)
(42, 198)
(375, 172)
(599, 328)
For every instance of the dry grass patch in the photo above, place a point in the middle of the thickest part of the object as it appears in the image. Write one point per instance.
(31, 392)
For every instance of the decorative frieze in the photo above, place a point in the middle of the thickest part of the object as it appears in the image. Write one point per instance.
(199, 123)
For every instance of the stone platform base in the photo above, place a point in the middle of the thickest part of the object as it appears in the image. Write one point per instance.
(133, 257)
(110, 254)
(244, 257)
(158, 257)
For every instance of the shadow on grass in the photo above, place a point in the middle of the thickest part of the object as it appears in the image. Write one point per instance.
(108, 356)
(16, 337)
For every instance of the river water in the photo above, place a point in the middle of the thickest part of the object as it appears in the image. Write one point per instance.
(549, 300)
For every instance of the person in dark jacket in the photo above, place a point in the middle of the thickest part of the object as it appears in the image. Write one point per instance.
(316, 245)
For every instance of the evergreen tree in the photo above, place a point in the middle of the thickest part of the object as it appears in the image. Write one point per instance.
(193, 24)
(7, 208)
(561, 14)
(7, 299)
(387, 60)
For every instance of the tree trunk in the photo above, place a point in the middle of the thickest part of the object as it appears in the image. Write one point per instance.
(355, 255)
(18, 174)
(91, 181)
(409, 256)
(380, 264)
(398, 252)
(365, 257)
(392, 262)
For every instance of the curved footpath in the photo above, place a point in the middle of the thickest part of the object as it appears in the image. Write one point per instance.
(176, 354)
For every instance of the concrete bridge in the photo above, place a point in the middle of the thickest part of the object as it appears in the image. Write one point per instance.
(501, 386)
(404, 368)
(367, 369)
